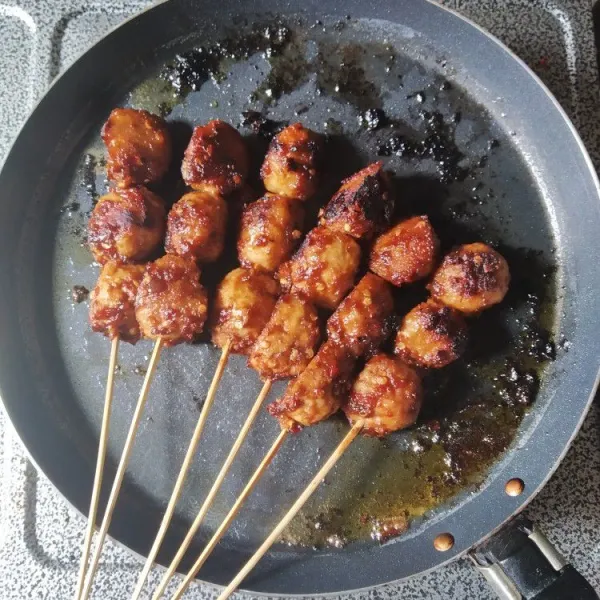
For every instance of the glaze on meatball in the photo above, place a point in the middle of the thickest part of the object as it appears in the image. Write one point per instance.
(324, 267)
(216, 159)
(243, 304)
(289, 340)
(471, 278)
(126, 225)
(386, 396)
(431, 336)
(138, 145)
(318, 391)
(290, 167)
(112, 301)
(362, 321)
(363, 205)
(405, 253)
(196, 227)
(270, 231)
(171, 303)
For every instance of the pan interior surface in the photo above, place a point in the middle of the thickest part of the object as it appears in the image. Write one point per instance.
(461, 148)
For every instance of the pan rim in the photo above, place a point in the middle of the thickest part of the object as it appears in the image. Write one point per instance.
(594, 179)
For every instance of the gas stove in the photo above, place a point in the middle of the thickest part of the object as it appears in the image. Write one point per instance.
(40, 536)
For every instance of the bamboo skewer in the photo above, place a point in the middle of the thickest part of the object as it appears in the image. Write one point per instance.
(114, 493)
(231, 514)
(214, 489)
(187, 461)
(304, 496)
(93, 512)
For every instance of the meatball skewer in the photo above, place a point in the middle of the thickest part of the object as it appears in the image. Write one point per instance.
(387, 394)
(126, 226)
(215, 166)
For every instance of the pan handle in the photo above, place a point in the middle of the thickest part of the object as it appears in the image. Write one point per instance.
(520, 563)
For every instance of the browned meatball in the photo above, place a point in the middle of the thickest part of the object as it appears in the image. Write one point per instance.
(216, 159)
(405, 253)
(431, 335)
(126, 225)
(386, 396)
(324, 267)
(290, 166)
(363, 205)
(112, 301)
(138, 145)
(270, 230)
(196, 227)
(362, 321)
(471, 278)
(243, 304)
(289, 340)
(318, 391)
(171, 303)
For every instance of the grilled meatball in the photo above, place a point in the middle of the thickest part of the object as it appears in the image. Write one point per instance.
(431, 335)
(289, 340)
(270, 230)
(405, 253)
(216, 159)
(112, 302)
(362, 321)
(386, 396)
(126, 225)
(471, 278)
(363, 205)
(138, 145)
(171, 303)
(243, 304)
(290, 166)
(318, 391)
(196, 227)
(324, 267)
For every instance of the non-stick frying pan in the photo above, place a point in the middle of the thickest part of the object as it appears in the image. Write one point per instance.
(507, 166)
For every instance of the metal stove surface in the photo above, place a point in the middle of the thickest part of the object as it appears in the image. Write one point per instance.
(40, 537)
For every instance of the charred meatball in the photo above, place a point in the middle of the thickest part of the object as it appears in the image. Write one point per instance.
(290, 166)
(318, 391)
(270, 230)
(216, 159)
(112, 302)
(363, 206)
(243, 304)
(406, 253)
(386, 396)
(126, 225)
(171, 303)
(196, 227)
(289, 340)
(471, 278)
(362, 321)
(324, 267)
(138, 145)
(431, 335)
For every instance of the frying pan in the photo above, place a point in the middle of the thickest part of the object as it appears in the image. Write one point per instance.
(545, 199)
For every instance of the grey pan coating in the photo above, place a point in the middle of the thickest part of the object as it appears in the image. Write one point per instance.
(53, 369)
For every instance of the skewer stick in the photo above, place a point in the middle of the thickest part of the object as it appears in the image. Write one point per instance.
(215, 488)
(114, 492)
(231, 515)
(187, 461)
(306, 494)
(89, 532)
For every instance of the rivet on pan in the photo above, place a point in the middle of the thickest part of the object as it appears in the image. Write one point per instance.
(514, 487)
(443, 542)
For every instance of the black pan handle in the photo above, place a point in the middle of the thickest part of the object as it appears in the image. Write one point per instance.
(520, 563)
